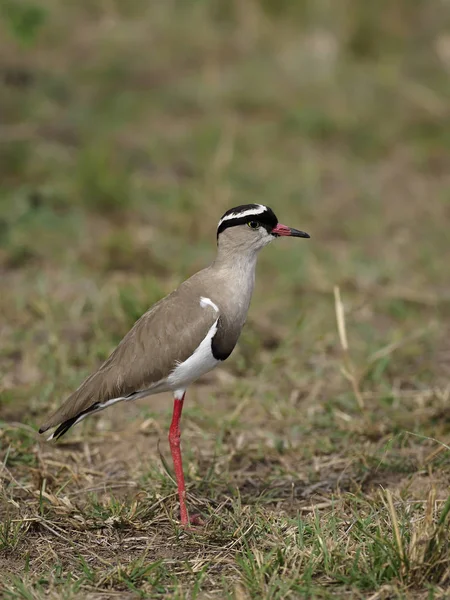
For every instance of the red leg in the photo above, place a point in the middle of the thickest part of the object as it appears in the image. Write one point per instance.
(174, 441)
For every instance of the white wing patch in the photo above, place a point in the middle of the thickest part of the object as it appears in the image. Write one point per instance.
(246, 213)
(204, 302)
(199, 363)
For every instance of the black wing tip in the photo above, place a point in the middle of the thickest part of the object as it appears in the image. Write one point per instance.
(66, 425)
(60, 430)
(63, 428)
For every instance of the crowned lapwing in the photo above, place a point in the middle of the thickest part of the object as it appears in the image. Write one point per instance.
(184, 335)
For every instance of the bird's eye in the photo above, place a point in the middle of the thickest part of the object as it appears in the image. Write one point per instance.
(253, 224)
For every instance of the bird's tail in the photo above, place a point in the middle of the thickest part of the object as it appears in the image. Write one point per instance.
(64, 426)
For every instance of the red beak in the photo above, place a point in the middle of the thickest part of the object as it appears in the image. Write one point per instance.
(288, 231)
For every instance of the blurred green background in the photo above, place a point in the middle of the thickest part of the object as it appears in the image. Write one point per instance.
(128, 127)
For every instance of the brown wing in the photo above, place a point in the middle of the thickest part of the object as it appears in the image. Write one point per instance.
(166, 334)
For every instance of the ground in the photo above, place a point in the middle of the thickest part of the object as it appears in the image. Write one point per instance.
(317, 456)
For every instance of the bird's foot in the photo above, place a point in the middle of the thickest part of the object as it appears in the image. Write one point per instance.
(196, 520)
(192, 522)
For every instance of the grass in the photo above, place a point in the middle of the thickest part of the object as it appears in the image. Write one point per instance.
(318, 455)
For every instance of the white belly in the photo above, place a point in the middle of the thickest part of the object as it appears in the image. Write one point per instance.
(199, 363)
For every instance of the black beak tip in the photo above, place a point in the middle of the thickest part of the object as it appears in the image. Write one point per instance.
(297, 233)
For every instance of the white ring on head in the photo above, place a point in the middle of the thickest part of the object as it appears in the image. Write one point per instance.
(246, 213)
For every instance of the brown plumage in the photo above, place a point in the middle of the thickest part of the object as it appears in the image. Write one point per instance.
(144, 358)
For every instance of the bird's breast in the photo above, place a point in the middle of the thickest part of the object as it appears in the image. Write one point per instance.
(200, 362)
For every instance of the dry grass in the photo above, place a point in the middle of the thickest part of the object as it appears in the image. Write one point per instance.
(318, 456)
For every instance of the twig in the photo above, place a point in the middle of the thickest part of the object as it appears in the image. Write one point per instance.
(394, 520)
(348, 370)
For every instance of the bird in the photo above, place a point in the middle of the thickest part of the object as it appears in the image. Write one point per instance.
(184, 335)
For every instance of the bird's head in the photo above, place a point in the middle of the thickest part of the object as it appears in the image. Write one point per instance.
(250, 227)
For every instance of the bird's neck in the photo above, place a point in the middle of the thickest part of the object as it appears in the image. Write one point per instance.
(235, 263)
(236, 272)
